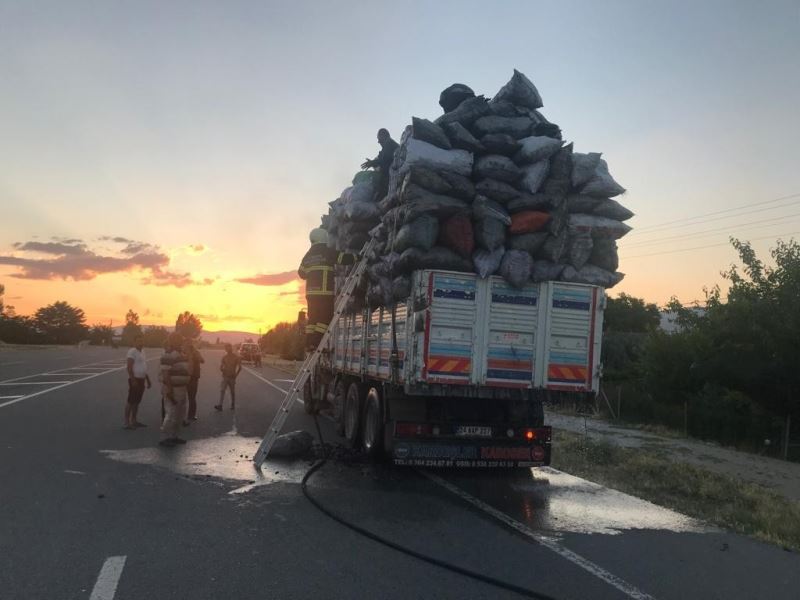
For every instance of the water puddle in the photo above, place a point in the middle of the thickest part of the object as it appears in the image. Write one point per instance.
(560, 502)
(227, 457)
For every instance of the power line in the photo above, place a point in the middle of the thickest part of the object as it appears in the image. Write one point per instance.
(750, 225)
(686, 221)
(767, 237)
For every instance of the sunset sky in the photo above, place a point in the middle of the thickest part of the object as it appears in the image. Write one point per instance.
(170, 156)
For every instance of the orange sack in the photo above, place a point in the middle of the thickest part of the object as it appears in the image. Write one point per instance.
(457, 234)
(528, 221)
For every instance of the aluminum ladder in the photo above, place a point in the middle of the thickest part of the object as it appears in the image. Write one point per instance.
(311, 360)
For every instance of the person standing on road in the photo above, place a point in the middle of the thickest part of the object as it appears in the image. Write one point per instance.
(230, 367)
(137, 379)
(174, 379)
(195, 360)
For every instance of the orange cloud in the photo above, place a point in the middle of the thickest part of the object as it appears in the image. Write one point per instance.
(72, 259)
(179, 280)
(271, 279)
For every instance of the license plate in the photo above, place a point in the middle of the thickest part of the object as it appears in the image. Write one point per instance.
(474, 430)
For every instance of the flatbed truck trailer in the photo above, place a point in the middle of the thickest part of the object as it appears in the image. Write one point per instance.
(456, 376)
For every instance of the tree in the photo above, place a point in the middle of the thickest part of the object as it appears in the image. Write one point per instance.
(755, 332)
(626, 323)
(15, 329)
(2, 291)
(188, 325)
(286, 340)
(155, 336)
(61, 323)
(628, 314)
(101, 335)
(732, 369)
(132, 329)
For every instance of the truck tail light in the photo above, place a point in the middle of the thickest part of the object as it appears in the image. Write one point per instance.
(530, 434)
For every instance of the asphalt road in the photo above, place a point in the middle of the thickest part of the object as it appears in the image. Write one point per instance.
(89, 510)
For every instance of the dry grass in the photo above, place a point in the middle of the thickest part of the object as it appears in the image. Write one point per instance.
(716, 499)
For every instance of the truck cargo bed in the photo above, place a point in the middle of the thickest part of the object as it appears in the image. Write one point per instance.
(461, 335)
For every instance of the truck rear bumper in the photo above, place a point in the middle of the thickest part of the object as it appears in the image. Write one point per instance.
(472, 453)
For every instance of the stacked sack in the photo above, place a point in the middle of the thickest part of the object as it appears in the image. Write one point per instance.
(489, 187)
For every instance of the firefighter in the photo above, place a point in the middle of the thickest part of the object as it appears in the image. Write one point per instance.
(317, 270)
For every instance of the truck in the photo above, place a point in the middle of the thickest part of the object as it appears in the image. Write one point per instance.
(456, 375)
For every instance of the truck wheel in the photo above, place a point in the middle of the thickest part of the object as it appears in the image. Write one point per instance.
(308, 399)
(373, 424)
(339, 401)
(352, 415)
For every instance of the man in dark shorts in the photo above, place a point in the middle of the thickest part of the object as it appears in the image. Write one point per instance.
(137, 380)
(230, 367)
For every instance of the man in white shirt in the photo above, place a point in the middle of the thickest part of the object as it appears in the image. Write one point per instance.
(137, 379)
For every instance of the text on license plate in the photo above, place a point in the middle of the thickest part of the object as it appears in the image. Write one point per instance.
(475, 430)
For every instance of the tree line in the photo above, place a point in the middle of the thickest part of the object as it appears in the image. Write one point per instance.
(730, 372)
(62, 323)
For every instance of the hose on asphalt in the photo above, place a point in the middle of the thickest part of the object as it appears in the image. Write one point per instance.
(528, 593)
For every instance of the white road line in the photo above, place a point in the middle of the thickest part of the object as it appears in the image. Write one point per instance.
(548, 542)
(94, 364)
(268, 382)
(74, 371)
(14, 384)
(105, 588)
(8, 364)
(58, 387)
(10, 397)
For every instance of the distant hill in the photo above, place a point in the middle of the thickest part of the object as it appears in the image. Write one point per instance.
(225, 337)
(228, 337)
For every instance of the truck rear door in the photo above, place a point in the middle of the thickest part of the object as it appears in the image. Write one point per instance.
(450, 327)
(570, 353)
(511, 327)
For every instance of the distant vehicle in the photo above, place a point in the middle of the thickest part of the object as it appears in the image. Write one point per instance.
(251, 353)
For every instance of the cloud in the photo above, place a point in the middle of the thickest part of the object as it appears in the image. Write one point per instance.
(138, 247)
(72, 259)
(81, 266)
(271, 278)
(57, 248)
(117, 239)
(161, 277)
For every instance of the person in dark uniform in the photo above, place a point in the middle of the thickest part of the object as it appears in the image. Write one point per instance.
(317, 270)
(383, 161)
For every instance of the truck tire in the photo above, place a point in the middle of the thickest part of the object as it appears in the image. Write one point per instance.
(339, 400)
(352, 415)
(373, 424)
(308, 399)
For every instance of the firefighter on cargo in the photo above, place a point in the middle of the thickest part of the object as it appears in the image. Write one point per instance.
(317, 270)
